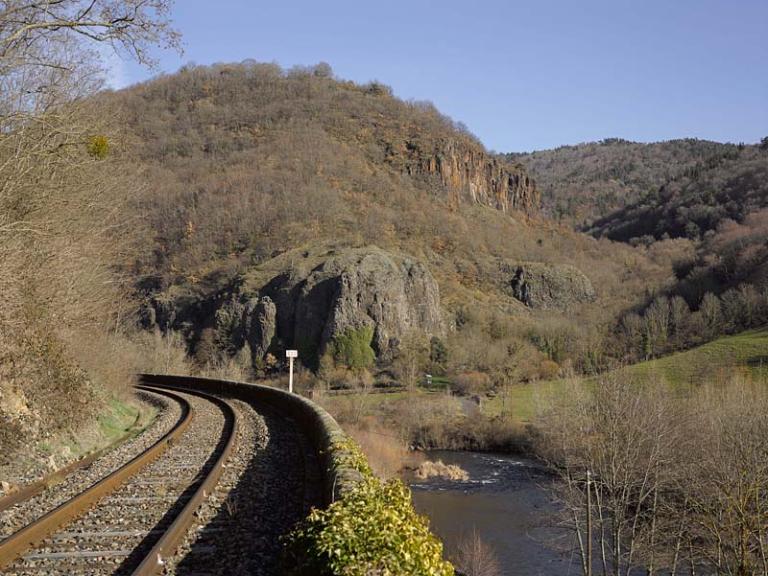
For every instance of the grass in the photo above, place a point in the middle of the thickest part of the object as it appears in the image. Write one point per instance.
(746, 349)
(519, 402)
(711, 361)
(119, 421)
(438, 383)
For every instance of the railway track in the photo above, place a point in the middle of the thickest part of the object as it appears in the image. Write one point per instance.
(132, 520)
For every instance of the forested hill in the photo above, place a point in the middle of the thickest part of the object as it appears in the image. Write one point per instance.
(281, 147)
(709, 197)
(279, 199)
(703, 204)
(696, 201)
(586, 182)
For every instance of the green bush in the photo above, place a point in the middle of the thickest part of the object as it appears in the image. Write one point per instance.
(373, 529)
(98, 147)
(353, 349)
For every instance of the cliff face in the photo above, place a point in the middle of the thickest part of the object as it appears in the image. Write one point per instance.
(470, 174)
(306, 300)
(551, 287)
(368, 287)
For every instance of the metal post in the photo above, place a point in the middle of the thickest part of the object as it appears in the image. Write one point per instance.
(589, 523)
(291, 354)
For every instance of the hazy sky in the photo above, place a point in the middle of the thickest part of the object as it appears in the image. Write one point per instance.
(521, 75)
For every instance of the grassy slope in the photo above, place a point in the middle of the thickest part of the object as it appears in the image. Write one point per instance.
(712, 361)
(748, 349)
(118, 421)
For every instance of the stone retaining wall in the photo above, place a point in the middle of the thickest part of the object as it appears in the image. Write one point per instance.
(317, 425)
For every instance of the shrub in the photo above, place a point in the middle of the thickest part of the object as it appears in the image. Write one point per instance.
(548, 369)
(438, 355)
(439, 469)
(352, 348)
(98, 147)
(472, 383)
(372, 530)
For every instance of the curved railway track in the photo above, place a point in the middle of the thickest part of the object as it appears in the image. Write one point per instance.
(133, 519)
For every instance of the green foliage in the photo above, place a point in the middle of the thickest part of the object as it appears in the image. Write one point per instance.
(438, 355)
(353, 349)
(351, 456)
(372, 530)
(98, 147)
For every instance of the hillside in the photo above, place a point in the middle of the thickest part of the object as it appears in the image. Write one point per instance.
(703, 204)
(720, 209)
(745, 353)
(694, 202)
(582, 183)
(264, 182)
(715, 360)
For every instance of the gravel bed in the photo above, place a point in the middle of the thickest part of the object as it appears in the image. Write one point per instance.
(29, 510)
(129, 521)
(270, 483)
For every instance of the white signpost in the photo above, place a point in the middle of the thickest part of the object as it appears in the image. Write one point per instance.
(291, 354)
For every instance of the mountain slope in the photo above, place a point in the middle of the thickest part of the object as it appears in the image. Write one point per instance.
(696, 201)
(254, 172)
(250, 134)
(582, 183)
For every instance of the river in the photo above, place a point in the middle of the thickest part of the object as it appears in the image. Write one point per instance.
(506, 501)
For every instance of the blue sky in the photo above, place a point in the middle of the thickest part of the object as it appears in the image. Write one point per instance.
(521, 75)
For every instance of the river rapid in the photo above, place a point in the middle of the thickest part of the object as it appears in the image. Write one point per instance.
(507, 503)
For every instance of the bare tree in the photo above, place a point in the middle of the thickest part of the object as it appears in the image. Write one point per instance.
(476, 558)
(27, 26)
(412, 357)
(726, 484)
(63, 181)
(52, 177)
(611, 446)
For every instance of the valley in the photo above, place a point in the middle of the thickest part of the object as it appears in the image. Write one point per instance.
(542, 362)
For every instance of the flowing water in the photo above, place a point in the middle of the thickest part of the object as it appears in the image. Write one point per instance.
(506, 502)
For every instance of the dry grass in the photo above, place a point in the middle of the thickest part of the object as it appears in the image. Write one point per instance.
(387, 453)
(439, 469)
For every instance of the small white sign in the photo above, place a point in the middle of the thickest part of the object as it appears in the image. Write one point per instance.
(291, 353)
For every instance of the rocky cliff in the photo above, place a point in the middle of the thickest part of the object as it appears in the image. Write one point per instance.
(306, 300)
(551, 287)
(472, 175)
(459, 167)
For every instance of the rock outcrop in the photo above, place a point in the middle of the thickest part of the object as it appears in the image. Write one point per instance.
(548, 287)
(472, 175)
(260, 325)
(306, 300)
(367, 288)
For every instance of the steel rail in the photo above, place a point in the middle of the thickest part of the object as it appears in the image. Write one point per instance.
(13, 547)
(32, 489)
(165, 547)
